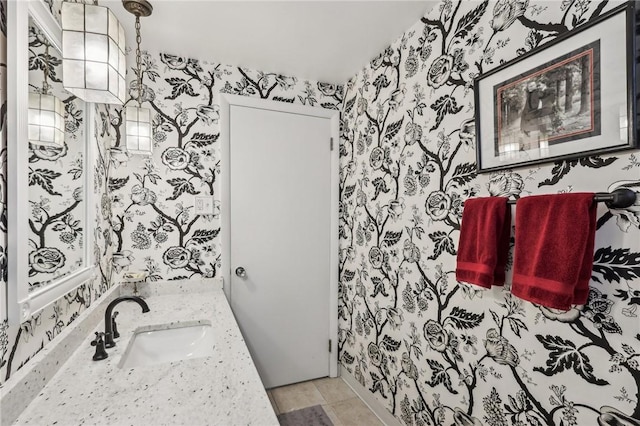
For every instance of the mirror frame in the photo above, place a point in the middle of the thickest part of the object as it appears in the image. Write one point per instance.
(22, 304)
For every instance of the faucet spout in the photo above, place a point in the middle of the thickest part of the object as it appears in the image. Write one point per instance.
(108, 317)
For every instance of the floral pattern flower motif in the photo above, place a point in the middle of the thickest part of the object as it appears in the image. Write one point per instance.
(500, 350)
(327, 89)
(147, 95)
(46, 260)
(140, 238)
(174, 62)
(410, 251)
(468, 133)
(176, 257)
(395, 317)
(209, 114)
(396, 97)
(611, 416)
(598, 310)
(505, 183)
(362, 105)
(460, 418)
(437, 205)
(118, 157)
(48, 152)
(122, 260)
(142, 196)
(412, 133)
(395, 208)
(437, 337)
(411, 63)
(376, 159)
(559, 315)
(376, 257)
(440, 71)
(505, 13)
(176, 158)
(408, 367)
(285, 82)
(375, 355)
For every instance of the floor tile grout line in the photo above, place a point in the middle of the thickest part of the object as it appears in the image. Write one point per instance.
(319, 391)
(273, 399)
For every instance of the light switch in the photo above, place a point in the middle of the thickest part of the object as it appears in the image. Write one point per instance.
(204, 204)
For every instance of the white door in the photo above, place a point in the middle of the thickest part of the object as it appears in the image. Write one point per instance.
(280, 235)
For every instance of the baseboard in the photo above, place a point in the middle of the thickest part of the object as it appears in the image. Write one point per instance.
(378, 409)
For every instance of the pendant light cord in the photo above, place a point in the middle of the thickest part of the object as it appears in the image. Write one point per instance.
(45, 83)
(139, 60)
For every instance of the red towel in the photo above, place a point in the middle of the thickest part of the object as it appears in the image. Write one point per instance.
(554, 249)
(483, 247)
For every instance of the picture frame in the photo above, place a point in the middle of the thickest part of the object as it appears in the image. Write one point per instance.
(563, 100)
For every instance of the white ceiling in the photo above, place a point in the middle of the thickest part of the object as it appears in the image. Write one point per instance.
(328, 41)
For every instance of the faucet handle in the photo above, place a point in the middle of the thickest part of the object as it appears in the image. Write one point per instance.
(101, 352)
(114, 325)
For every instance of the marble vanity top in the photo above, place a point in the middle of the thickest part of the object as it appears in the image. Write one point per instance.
(222, 389)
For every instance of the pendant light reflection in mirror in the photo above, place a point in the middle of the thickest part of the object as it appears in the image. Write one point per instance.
(46, 111)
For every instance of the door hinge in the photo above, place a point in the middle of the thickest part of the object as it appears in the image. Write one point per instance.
(330, 342)
(331, 143)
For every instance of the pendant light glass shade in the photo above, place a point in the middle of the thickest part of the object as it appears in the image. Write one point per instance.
(46, 120)
(93, 58)
(138, 129)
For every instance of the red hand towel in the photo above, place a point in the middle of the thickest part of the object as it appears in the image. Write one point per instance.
(483, 247)
(555, 237)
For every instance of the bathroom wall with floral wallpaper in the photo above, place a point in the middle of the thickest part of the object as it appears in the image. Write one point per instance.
(156, 229)
(434, 351)
(48, 178)
(145, 204)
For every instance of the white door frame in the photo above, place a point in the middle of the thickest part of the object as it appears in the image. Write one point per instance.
(226, 101)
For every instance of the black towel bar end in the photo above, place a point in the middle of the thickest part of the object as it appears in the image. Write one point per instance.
(619, 199)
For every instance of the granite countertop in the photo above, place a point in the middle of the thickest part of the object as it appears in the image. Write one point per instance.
(222, 389)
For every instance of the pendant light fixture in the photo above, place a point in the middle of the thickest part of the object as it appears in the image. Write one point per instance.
(46, 113)
(93, 59)
(138, 119)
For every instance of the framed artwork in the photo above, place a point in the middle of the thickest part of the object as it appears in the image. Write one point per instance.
(570, 98)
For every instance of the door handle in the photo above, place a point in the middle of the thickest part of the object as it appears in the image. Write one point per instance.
(241, 272)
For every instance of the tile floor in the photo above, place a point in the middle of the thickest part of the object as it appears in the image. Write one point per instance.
(341, 404)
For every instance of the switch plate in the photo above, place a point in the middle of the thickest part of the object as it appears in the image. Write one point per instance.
(204, 204)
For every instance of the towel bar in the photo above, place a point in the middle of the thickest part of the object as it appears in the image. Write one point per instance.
(618, 199)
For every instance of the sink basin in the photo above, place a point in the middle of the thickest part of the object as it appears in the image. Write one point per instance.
(160, 344)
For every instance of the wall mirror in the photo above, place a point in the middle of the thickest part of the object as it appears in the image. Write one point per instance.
(49, 173)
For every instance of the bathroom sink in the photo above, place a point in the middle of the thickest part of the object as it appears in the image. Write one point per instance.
(166, 343)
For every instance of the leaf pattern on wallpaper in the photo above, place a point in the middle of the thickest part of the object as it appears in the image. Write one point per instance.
(563, 355)
(44, 178)
(614, 265)
(561, 168)
(469, 356)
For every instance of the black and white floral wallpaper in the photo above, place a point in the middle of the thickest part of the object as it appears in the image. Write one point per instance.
(145, 205)
(4, 336)
(18, 344)
(431, 350)
(155, 227)
(437, 352)
(56, 220)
